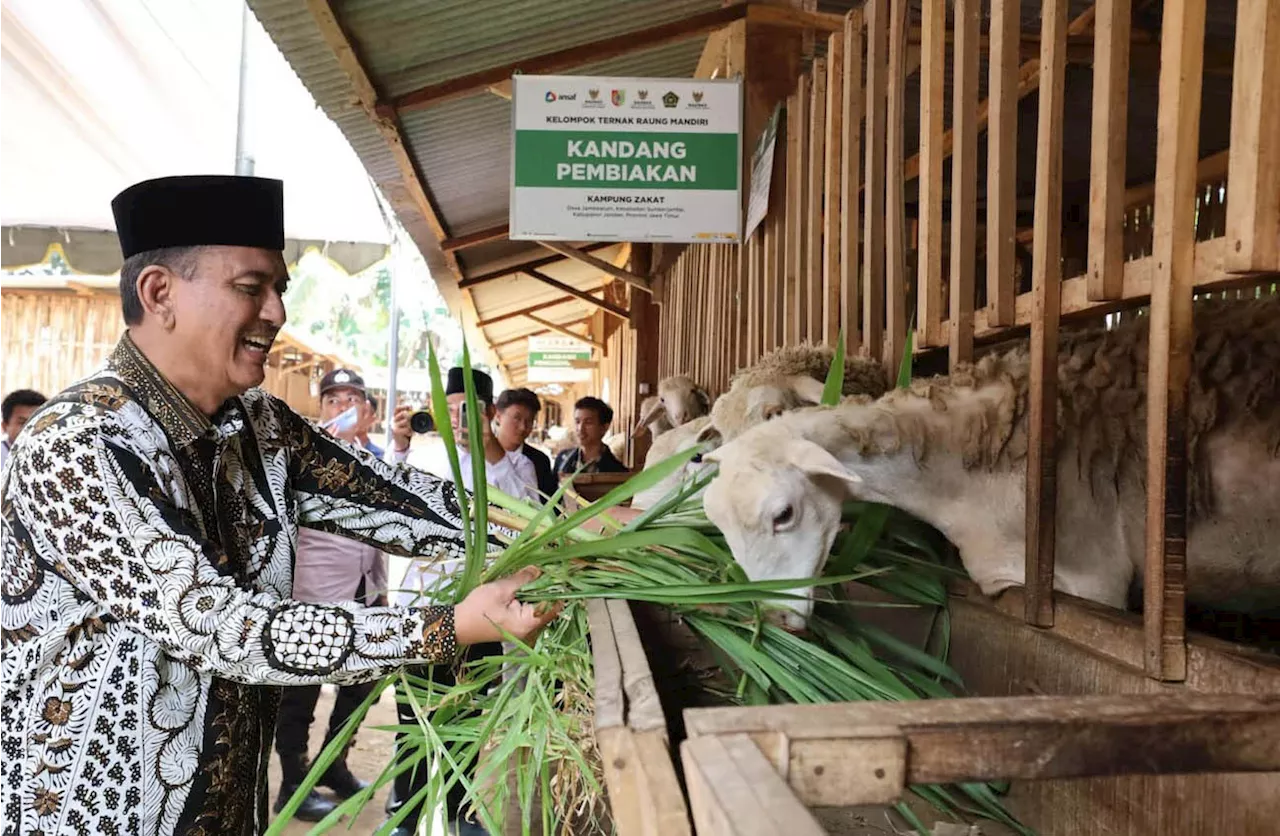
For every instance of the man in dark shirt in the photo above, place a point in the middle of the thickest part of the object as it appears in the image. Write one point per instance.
(591, 420)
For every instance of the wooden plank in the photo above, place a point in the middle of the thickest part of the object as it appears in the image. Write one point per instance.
(666, 812)
(1253, 205)
(1002, 160)
(608, 307)
(933, 85)
(610, 698)
(583, 257)
(475, 239)
(564, 59)
(494, 320)
(816, 167)
(895, 196)
(964, 181)
(873, 238)
(833, 208)
(851, 107)
(1172, 338)
(797, 154)
(561, 329)
(734, 792)
(1108, 145)
(795, 18)
(1046, 278)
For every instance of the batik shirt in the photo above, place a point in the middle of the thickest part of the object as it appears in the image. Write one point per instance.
(148, 557)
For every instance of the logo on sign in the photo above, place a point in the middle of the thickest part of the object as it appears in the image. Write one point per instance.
(697, 95)
(697, 103)
(670, 99)
(593, 98)
(551, 97)
(618, 97)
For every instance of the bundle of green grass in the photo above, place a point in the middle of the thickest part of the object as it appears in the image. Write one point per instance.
(528, 713)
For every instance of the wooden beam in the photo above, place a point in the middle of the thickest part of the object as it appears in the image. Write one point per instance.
(1253, 208)
(873, 243)
(794, 18)
(869, 752)
(607, 307)
(1109, 138)
(851, 108)
(494, 320)
(564, 59)
(895, 338)
(815, 171)
(1046, 279)
(1172, 338)
(833, 208)
(734, 791)
(526, 264)
(539, 333)
(473, 239)
(600, 264)
(560, 329)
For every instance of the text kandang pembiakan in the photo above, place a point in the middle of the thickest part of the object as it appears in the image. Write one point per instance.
(625, 149)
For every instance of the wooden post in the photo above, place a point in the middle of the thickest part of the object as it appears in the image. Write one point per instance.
(644, 321)
(1042, 464)
(895, 196)
(816, 167)
(832, 208)
(1172, 337)
(1002, 158)
(873, 238)
(850, 201)
(964, 180)
(1253, 199)
(933, 85)
(1109, 142)
(797, 153)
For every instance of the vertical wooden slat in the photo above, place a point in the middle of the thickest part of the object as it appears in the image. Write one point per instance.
(769, 283)
(753, 297)
(895, 191)
(1109, 138)
(832, 208)
(1172, 337)
(873, 238)
(1002, 157)
(797, 148)
(1046, 279)
(816, 168)
(1253, 199)
(850, 199)
(933, 82)
(742, 302)
(964, 179)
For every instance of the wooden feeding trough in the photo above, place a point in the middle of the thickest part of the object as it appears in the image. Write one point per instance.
(645, 797)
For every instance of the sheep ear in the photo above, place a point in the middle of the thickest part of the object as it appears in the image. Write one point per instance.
(814, 460)
(708, 433)
(807, 389)
(703, 398)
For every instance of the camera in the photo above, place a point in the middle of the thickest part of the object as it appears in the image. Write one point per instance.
(422, 422)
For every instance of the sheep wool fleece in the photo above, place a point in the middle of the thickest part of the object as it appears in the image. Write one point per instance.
(148, 556)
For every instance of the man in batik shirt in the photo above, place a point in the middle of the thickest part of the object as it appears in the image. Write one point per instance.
(149, 515)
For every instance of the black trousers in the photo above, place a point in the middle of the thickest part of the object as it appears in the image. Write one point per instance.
(411, 781)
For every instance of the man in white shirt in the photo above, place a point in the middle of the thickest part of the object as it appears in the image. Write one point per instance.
(19, 406)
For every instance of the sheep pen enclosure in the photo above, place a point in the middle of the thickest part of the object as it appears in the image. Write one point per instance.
(949, 177)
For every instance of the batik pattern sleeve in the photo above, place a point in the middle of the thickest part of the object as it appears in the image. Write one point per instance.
(398, 508)
(112, 529)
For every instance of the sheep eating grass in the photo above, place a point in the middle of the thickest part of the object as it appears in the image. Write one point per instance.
(952, 451)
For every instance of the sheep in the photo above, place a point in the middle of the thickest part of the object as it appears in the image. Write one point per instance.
(952, 451)
(785, 379)
(667, 445)
(679, 400)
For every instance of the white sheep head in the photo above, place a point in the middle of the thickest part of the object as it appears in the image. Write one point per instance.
(679, 400)
(778, 503)
(744, 407)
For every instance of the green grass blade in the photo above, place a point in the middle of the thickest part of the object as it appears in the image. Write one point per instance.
(833, 388)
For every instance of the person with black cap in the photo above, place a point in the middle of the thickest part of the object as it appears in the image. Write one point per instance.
(147, 540)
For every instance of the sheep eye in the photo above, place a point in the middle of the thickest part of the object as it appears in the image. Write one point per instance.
(783, 518)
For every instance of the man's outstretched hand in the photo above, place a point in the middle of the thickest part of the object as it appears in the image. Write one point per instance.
(494, 605)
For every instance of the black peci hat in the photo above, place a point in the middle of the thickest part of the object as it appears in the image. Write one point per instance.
(200, 210)
(482, 381)
(342, 379)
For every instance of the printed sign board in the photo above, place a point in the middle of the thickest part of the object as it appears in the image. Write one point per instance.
(625, 159)
(559, 360)
(762, 174)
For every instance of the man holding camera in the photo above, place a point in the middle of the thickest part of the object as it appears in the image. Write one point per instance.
(329, 568)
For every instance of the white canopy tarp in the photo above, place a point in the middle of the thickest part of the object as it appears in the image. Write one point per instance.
(99, 94)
